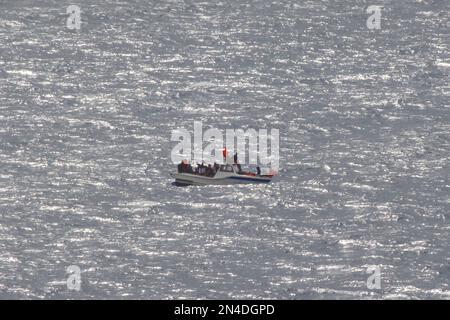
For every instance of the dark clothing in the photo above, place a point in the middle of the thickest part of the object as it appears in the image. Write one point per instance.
(258, 170)
(184, 167)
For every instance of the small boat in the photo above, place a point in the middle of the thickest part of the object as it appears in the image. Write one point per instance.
(227, 174)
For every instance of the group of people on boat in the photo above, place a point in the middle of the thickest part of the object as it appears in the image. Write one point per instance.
(206, 170)
(210, 170)
(201, 169)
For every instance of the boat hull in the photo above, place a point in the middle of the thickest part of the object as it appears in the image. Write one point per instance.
(185, 179)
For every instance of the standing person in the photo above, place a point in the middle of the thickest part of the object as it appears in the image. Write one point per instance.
(200, 168)
(235, 158)
(209, 171)
(258, 170)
